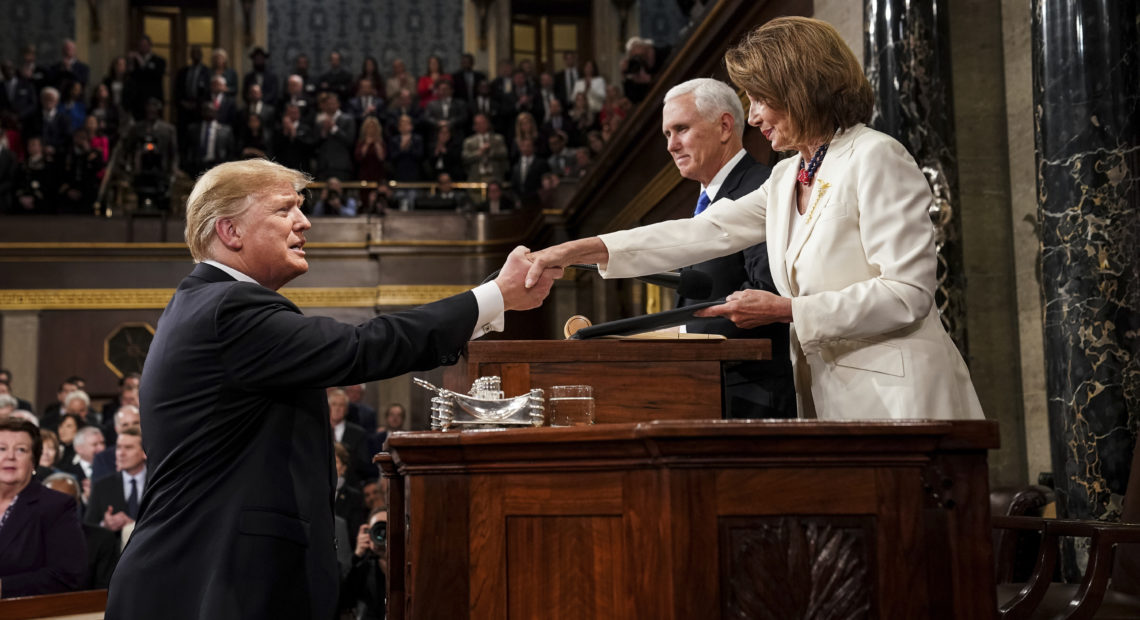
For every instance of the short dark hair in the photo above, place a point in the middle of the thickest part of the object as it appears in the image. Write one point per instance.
(132, 431)
(20, 425)
(6, 373)
(129, 375)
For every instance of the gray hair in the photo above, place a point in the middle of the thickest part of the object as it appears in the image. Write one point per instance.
(85, 435)
(712, 98)
(7, 400)
(25, 414)
(77, 395)
(636, 42)
(127, 409)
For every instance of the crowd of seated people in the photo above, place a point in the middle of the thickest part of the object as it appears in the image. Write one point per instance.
(87, 470)
(60, 126)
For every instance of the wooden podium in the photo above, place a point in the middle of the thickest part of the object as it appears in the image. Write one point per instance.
(683, 519)
(633, 380)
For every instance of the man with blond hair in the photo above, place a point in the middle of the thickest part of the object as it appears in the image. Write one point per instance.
(236, 520)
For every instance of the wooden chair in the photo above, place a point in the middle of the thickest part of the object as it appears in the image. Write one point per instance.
(1039, 597)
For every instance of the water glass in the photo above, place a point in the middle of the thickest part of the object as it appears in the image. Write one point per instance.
(571, 405)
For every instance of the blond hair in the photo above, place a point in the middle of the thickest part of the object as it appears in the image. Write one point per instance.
(226, 191)
(801, 66)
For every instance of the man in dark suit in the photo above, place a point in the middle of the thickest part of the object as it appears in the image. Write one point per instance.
(69, 69)
(49, 123)
(526, 175)
(336, 139)
(350, 435)
(255, 104)
(191, 88)
(147, 70)
(446, 108)
(293, 141)
(115, 500)
(703, 123)
(208, 143)
(565, 79)
(262, 76)
(337, 80)
(237, 518)
(367, 102)
(225, 107)
(467, 80)
(127, 416)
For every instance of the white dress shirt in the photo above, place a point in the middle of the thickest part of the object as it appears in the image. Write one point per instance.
(140, 481)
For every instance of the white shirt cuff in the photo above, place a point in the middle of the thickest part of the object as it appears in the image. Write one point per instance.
(490, 301)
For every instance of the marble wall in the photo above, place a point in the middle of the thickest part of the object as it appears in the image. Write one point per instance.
(45, 23)
(385, 29)
(1087, 132)
(907, 60)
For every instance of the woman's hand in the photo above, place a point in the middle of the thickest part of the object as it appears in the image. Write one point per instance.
(752, 308)
(590, 251)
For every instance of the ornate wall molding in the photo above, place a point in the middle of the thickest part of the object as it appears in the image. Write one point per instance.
(157, 298)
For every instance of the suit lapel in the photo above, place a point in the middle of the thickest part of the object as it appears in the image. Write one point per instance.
(734, 178)
(778, 212)
(830, 172)
(21, 516)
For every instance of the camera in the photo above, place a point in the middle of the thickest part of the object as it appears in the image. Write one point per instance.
(378, 534)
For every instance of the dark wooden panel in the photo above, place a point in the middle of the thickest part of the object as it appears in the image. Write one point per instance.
(566, 568)
(796, 491)
(639, 391)
(52, 605)
(904, 563)
(444, 536)
(71, 343)
(692, 498)
(797, 567)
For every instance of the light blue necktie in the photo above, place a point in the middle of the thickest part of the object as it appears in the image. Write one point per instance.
(702, 203)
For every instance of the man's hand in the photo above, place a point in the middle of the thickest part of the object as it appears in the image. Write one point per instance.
(363, 541)
(589, 251)
(115, 521)
(517, 295)
(752, 308)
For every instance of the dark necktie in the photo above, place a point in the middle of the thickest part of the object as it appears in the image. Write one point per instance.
(702, 203)
(133, 500)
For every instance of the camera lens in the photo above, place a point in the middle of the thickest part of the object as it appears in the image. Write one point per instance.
(379, 533)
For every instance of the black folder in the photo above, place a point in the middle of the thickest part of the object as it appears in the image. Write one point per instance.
(646, 323)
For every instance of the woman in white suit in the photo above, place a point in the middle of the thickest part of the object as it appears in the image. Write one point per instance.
(850, 242)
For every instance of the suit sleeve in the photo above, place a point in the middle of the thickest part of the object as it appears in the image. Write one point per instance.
(267, 343)
(898, 238)
(727, 226)
(65, 556)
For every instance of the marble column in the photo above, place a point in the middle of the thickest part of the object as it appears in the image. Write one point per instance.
(906, 55)
(1086, 90)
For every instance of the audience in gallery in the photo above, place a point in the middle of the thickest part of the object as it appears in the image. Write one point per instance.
(75, 497)
(60, 126)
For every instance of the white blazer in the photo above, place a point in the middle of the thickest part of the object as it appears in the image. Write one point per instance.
(866, 339)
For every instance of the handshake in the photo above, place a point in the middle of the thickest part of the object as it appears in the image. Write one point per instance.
(512, 281)
(526, 277)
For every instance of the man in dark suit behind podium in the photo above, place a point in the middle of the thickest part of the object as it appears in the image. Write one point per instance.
(703, 123)
(236, 520)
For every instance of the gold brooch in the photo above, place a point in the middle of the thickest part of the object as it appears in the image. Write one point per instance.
(823, 186)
